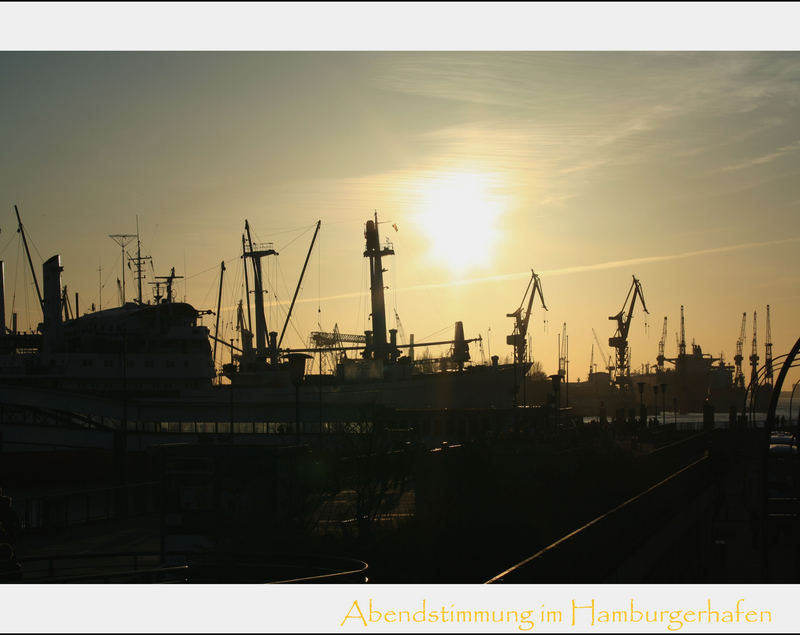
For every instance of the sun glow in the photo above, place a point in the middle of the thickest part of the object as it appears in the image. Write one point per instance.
(458, 213)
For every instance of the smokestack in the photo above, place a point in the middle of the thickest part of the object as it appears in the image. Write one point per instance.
(51, 281)
(460, 346)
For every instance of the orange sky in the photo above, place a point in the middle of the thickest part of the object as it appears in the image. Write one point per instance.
(589, 167)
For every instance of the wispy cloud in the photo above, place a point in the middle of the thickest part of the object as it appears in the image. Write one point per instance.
(612, 264)
(630, 262)
(764, 158)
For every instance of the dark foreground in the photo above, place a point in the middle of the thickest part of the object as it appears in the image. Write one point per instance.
(447, 501)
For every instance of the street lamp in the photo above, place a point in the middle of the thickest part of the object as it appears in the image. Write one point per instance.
(297, 369)
(655, 400)
(556, 379)
(642, 411)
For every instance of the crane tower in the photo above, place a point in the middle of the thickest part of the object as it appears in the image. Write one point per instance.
(661, 342)
(619, 341)
(754, 354)
(768, 353)
(517, 339)
(738, 378)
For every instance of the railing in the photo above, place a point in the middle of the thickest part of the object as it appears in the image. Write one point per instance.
(59, 511)
(192, 567)
(577, 557)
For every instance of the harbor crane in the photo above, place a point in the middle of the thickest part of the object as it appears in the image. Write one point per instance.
(768, 353)
(738, 377)
(620, 339)
(661, 342)
(518, 339)
(754, 354)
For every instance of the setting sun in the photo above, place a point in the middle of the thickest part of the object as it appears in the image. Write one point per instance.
(458, 213)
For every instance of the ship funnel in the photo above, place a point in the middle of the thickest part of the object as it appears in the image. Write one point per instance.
(51, 281)
(460, 346)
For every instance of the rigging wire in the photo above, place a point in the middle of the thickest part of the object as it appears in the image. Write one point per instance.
(286, 309)
(25, 284)
(441, 330)
(296, 238)
(30, 240)
(361, 319)
(200, 273)
(319, 291)
(8, 244)
(16, 273)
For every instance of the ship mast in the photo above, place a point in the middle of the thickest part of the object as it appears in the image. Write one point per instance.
(377, 348)
(255, 254)
(138, 260)
(219, 307)
(21, 230)
(122, 240)
(299, 282)
(246, 287)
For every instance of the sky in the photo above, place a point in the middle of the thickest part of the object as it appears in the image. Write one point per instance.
(678, 167)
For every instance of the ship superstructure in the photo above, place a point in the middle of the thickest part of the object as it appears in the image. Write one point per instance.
(136, 349)
(373, 368)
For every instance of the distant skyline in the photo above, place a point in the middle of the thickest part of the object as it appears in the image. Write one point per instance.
(588, 167)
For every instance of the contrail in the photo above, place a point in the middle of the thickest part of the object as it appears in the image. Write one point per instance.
(612, 264)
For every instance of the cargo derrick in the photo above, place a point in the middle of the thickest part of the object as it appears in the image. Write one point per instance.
(622, 370)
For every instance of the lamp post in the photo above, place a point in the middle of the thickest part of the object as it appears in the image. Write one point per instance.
(642, 411)
(664, 402)
(297, 370)
(556, 379)
(675, 410)
(655, 400)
